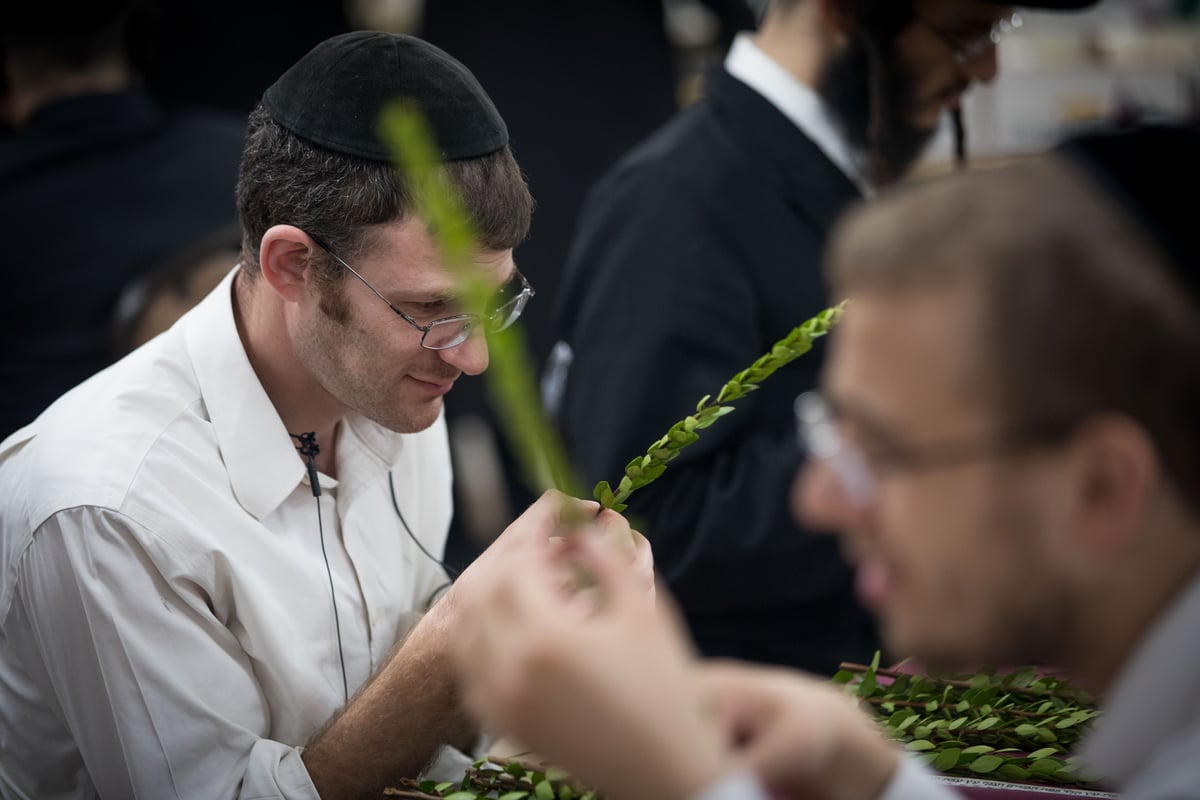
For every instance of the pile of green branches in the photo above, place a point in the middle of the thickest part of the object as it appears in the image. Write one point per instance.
(499, 779)
(1016, 726)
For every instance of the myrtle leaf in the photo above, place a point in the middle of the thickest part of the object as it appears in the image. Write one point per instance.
(985, 764)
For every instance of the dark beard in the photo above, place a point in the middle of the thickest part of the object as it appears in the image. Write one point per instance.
(846, 86)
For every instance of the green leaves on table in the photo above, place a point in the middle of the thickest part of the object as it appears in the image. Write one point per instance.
(500, 779)
(1019, 726)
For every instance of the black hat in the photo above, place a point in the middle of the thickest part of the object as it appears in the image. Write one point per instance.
(333, 96)
(1148, 170)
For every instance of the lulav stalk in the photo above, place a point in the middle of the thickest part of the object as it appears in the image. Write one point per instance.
(510, 380)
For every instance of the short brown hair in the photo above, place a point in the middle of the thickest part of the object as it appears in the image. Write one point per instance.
(1082, 313)
(337, 197)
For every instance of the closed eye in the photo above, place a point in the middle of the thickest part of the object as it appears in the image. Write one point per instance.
(430, 309)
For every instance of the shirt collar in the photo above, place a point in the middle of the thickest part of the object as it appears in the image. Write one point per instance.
(811, 114)
(263, 465)
(1149, 703)
(259, 454)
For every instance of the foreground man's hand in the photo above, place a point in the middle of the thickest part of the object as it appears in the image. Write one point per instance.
(563, 648)
(803, 737)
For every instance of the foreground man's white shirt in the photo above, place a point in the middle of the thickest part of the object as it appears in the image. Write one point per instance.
(166, 627)
(910, 782)
(1148, 740)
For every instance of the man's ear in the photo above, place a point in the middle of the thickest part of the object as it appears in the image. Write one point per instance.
(1116, 474)
(284, 257)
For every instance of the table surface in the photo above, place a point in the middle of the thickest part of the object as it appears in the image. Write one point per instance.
(980, 789)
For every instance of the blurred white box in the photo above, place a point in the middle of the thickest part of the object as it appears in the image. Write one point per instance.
(1066, 76)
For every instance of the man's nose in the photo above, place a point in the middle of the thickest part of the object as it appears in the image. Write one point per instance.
(820, 501)
(470, 357)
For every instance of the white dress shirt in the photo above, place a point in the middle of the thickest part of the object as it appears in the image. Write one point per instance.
(811, 114)
(1146, 744)
(911, 781)
(166, 625)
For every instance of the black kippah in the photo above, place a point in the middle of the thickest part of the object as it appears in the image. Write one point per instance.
(1149, 170)
(333, 96)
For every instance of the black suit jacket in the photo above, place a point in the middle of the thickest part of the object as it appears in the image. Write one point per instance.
(693, 255)
(96, 191)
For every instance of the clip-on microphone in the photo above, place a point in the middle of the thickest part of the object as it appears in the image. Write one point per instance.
(309, 449)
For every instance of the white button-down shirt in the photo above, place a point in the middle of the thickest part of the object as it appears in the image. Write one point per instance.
(166, 624)
(911, 781)
(1147, 742)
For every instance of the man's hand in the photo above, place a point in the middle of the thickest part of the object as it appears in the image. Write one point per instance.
(562, 647)
(804, 738)
(544, 527)
(412, 705)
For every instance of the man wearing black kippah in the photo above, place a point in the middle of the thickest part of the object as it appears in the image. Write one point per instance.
(216, 556)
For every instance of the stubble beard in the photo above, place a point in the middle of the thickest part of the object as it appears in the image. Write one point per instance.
(1027, 616)
(326, 349)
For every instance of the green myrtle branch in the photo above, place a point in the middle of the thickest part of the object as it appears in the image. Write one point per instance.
(644, 469)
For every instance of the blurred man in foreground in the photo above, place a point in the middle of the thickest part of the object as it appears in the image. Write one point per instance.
(1006, 441)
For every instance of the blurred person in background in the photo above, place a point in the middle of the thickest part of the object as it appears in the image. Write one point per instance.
(225, 59)
(99, 186)
(1005, 441)
(699, 250)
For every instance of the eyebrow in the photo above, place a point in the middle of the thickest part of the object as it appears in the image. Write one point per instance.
(447, 296)
(859, 415)
(434, 298)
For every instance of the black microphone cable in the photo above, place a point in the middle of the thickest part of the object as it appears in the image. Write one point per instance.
(451, 572)
(309, 449)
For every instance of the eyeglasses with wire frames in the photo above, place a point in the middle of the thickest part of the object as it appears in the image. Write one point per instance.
(967, 51)
(858, 470)
(447, 332)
